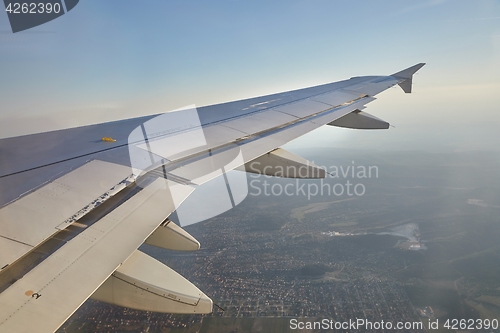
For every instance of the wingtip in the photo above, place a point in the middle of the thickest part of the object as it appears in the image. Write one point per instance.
(420, 65)
(405, 77)
(408, 72)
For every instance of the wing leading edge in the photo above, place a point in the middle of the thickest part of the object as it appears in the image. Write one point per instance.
(103, 231)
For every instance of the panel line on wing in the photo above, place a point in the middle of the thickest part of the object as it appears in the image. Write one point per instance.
(249, 138)
(17, 241)
(118, 146)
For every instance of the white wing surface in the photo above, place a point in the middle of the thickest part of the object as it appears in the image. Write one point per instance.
(74, 208)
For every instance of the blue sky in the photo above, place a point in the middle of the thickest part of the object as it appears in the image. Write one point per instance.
(116, 59)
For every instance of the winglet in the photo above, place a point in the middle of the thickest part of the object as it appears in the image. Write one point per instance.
(405, 77)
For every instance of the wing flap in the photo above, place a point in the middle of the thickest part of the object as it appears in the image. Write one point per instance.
(46, 296)
(35, 217)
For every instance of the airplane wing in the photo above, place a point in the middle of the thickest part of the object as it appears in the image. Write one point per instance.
(76, 204)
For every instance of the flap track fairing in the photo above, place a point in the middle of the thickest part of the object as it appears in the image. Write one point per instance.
(143, 283)
(360, 120)
(282, 163)
(172, 237)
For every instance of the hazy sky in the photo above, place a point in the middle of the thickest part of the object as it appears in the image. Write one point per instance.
(112, 59)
